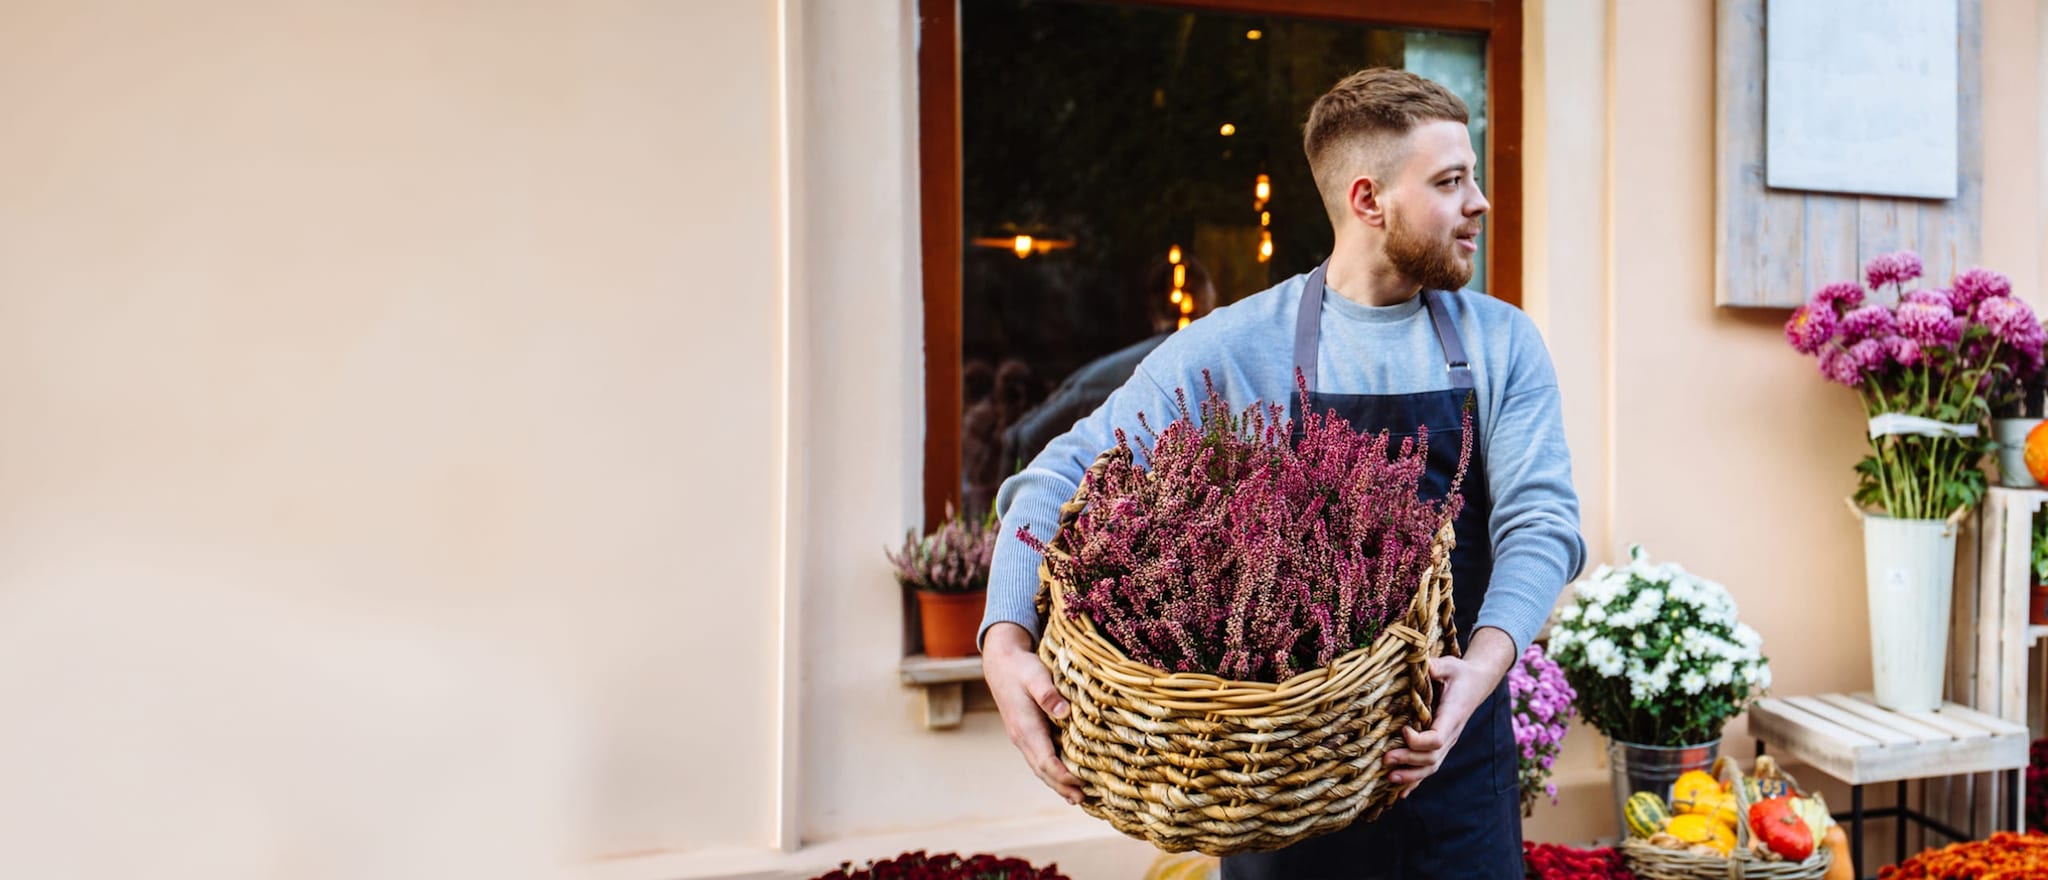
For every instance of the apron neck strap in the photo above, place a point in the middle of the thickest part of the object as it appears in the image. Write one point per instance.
(1308, 325)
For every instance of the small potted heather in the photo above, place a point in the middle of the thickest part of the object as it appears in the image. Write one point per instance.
(1543, 713)
(1245, 578)
(948, 569)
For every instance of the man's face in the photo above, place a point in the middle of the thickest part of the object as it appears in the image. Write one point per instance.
(1434, 206)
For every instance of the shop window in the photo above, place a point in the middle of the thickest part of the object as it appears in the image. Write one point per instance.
(1096, 175)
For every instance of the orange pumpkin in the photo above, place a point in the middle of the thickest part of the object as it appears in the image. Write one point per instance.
(2036, 452)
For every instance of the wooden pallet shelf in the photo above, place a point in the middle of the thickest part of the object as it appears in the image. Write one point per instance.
(1989, 637)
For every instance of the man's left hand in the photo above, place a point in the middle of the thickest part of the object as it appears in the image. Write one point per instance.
(1467, 682)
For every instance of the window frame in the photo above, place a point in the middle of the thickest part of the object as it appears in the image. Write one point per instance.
(940, 197)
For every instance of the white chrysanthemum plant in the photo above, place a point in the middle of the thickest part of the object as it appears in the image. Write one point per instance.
(1656, 653)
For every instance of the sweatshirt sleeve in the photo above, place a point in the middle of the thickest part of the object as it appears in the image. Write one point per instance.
(1537, 547)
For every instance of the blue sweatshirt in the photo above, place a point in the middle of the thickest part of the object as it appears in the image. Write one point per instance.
(1248, 349)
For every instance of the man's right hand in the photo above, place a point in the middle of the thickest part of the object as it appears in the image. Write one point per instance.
(1025, 695)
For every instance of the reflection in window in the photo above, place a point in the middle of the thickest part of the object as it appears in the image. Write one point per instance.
(1127, 168)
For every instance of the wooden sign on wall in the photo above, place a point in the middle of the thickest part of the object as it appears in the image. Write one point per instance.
(1774, 247)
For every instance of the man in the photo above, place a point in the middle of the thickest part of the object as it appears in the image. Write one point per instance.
(1387, 340)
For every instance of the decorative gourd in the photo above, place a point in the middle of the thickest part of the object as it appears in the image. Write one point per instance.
(1774, 822)
(1694, 828)
(1814, 812)
(1718, 806)
(1839, 842)
(2035, 452)
(1691, 785)
(1646, 814)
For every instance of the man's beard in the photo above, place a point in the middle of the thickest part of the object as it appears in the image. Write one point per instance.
(1432, 263)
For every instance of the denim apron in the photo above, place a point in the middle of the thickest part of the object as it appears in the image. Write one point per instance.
(1464, 821)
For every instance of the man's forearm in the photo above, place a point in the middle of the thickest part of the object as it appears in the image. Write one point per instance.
(1492, 651)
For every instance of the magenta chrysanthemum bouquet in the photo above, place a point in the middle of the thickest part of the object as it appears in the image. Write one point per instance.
(1543, 713)
(1234, 551)
(1930, 369)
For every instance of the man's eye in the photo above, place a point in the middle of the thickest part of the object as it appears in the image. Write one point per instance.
(1453, 181)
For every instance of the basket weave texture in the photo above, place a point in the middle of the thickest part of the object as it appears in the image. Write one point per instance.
(1657, 863)
(1188, 761)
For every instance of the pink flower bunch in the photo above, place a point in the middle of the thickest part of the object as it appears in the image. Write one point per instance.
(944, 866)
(952, 559)
(1542, 715)
(1947, 355)
(1236, 551)
(1975, 329)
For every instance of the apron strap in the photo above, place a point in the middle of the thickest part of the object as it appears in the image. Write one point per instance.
(1454, 348)
(1308, 325)
(1308, 329)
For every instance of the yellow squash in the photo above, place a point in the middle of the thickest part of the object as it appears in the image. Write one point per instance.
(1691, 785)
(1695, 828)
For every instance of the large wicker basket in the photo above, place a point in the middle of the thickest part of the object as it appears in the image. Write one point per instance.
(1195, 762)
(1650, 862)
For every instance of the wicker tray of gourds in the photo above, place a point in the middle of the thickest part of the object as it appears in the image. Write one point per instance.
(1724, 824)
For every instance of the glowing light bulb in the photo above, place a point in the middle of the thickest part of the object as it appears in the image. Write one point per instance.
(1022, 246)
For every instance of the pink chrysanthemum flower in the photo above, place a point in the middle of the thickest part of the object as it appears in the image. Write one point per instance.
(1810, 327)
(1868, 322)
(1839, 296)
(1974, 286)
(1929, 325)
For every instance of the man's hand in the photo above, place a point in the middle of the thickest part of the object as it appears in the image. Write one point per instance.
(1467, 682)
(1025, 695)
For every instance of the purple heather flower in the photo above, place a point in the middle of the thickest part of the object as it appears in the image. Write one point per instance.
(1974, 286)
(1867, 322)
(1839, 296)
(1929, 325)
(1811, 326)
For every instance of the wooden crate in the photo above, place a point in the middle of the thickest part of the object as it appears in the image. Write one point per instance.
(1990, 669)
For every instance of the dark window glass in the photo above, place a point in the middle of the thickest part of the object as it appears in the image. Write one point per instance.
(1112, 150)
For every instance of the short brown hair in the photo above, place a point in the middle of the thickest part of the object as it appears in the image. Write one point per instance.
(1352, 121)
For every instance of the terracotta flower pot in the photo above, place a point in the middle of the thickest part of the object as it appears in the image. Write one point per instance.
(950, 622)
(2037, 609)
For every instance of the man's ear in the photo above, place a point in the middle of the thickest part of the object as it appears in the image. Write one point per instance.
(1365, 202)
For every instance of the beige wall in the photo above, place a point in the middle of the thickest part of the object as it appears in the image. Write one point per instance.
(391, 452)
(399, 398)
